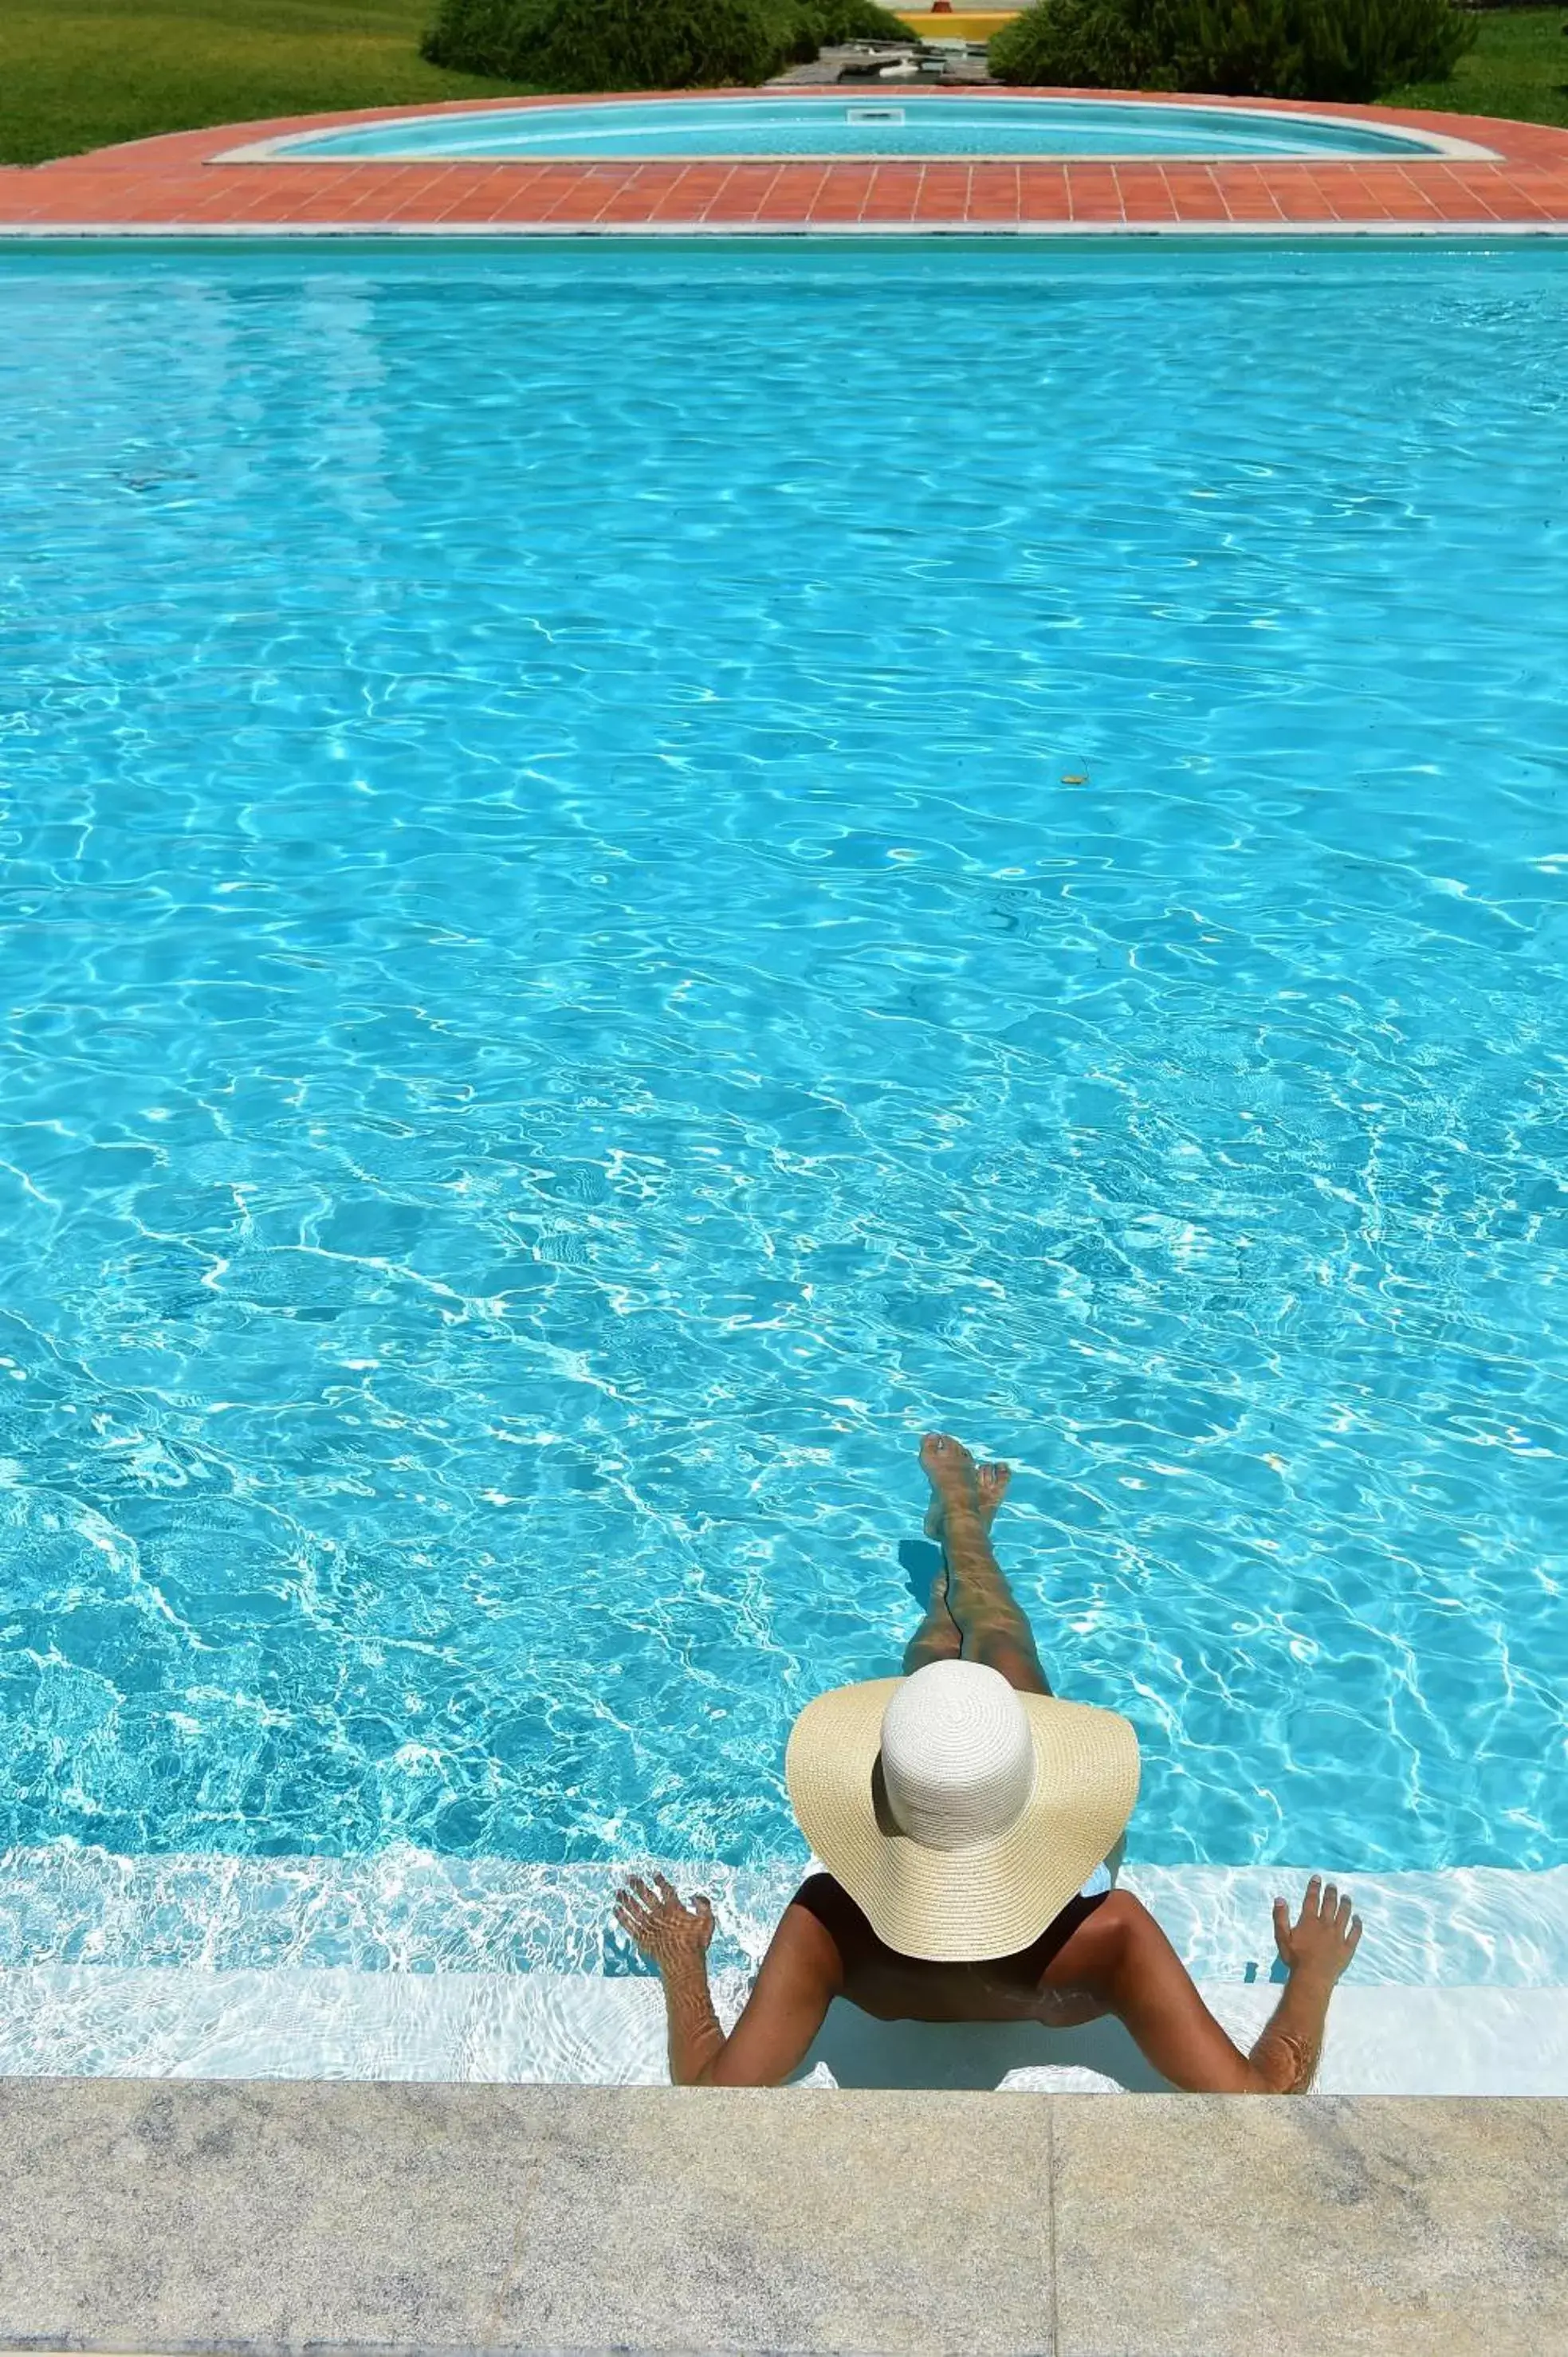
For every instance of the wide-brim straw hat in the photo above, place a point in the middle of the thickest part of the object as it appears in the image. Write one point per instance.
(986, 1812)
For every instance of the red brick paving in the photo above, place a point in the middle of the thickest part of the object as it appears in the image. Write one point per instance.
(173, 183)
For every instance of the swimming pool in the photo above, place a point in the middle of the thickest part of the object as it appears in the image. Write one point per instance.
(611, 906)
(867, 123)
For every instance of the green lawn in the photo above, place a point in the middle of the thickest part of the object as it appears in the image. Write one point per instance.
(79, 73)
(1518, 67)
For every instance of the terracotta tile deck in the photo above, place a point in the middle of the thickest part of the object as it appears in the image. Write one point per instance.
(173, 183)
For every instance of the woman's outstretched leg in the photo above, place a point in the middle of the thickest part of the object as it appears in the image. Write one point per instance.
(938, 1637)
(991, 1623)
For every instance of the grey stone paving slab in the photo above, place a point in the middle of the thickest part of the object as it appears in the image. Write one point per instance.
(278, 2217)
(1197, 2226)
(291, 2218)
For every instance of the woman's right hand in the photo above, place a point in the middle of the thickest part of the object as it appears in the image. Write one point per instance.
(1324, 1935)
(669, 1934)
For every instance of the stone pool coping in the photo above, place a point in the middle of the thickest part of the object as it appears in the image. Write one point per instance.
(259, 2219)
(175, 186)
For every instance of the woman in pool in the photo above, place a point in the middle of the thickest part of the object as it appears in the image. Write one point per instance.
(965, 1815)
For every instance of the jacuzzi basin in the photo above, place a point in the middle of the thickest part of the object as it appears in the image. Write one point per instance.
(922, 124)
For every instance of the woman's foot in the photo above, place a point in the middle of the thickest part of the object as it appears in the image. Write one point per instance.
(991, 1482)
(952, 1472)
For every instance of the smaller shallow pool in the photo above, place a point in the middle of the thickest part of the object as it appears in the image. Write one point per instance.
(868, 124)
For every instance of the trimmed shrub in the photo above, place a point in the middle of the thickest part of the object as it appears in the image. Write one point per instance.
(1345, 49)
(1080, 44)
(852, 20)
(482, 36)
(806, 27)
(606, 44)
(646, 44)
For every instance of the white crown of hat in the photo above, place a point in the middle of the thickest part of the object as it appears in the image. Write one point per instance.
(957, 1755)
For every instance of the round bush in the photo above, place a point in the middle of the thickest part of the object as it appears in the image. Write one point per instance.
(608, 44)
(1345, 49)
(851, 20)
(646, 44)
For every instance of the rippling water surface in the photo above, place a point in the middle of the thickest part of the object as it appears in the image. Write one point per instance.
(628, 876)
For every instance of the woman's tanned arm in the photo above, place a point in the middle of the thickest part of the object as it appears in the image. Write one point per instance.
(1317, 1947)
(799, 1977)
(1133, 1966)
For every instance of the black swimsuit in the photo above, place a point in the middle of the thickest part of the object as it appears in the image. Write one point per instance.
(894, 1988)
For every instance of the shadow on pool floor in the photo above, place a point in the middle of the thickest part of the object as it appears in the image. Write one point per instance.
(861, 2052)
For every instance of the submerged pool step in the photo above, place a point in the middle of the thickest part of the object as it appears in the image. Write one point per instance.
(413, 1966)
(409, 1910)
(589, 2030)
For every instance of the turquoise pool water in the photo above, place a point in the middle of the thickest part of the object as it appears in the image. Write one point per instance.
(870, 121)
(630, 874)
